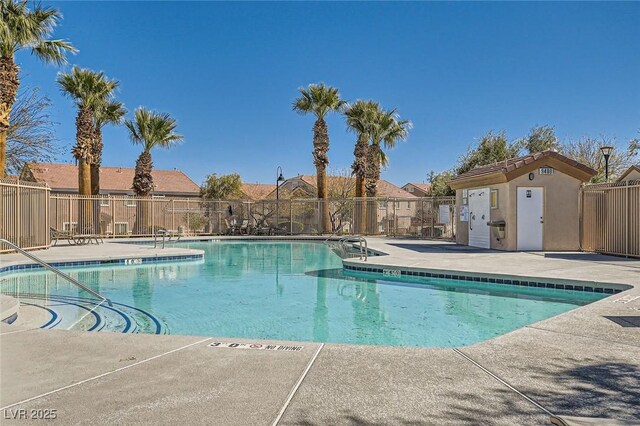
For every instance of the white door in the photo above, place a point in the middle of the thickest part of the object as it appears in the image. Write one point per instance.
(479, 205)
(530, 218)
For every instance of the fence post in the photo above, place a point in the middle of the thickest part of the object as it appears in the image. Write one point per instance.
(627, 213)
(47, 224)
(153, 216)
(188, 222)
(19, 221)
(112, 203)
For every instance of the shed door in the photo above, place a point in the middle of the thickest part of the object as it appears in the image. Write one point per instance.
(479, 204)
(530, 218)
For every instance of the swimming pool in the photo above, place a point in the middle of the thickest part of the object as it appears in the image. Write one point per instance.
(288, 291)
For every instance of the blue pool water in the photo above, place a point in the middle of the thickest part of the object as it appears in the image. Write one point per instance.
(298, 291)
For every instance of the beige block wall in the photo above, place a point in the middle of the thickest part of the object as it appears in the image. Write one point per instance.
(561, 212)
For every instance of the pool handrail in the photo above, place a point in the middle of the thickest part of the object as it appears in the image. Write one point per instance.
(55, 271)
(364, 247)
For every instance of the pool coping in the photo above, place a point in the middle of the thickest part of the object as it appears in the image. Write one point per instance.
(125, 260)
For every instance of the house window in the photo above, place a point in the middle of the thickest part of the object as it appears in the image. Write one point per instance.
(157, 196)
(129, 202)
(105, 201)
(69, 226)
(494, 198)
(382, 204)
(397, 204)
(121, 228)
(411, 189)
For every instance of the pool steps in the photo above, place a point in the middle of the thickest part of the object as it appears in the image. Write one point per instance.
(87, 314)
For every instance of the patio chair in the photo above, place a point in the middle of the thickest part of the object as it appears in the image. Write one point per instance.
(232, 229)
(244, 228)
(86, 236)
(57, 235)
(263, 228)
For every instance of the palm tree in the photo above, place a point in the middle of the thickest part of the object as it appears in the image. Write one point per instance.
(386, 131)
(319, 100)
(110, 112)
(149, 129)
(90, 90)
(359, 117)
(22, 28)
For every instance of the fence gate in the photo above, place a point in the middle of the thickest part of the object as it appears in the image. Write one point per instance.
(610, 218)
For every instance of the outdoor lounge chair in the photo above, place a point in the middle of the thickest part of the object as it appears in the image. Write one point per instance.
(232, 229)
(590, 421)
(57, 235)
(87, 236)
(244, 228)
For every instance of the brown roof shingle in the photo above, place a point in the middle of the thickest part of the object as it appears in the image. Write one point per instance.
(257, 191)
(385, 188)
(64, 178)
(512, 164)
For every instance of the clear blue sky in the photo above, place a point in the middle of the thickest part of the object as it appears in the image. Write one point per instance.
(229, 71)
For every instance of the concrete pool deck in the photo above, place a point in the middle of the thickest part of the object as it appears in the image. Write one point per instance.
(585, 362)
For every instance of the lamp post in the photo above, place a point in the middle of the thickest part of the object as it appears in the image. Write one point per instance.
(279, 178)
(606, 153)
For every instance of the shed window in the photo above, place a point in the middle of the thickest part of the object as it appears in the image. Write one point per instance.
(494, 198)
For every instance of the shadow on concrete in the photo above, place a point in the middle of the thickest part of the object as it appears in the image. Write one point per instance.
(592, 387)
(625, 321)
(591, 257)
(600, 389)
(347, 418)
(441, 248)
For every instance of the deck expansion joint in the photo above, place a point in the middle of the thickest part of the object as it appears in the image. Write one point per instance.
(502, 381)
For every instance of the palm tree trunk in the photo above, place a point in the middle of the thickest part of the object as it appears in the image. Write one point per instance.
(96, 157)
(142, 186)
(3, 152)
(372, 176)
(9, 83)
(359, 168)
(321, 159)
(82, 152)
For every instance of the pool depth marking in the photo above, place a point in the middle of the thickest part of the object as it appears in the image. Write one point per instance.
(256, 346)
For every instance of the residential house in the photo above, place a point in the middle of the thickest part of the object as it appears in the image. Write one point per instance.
(417, 189)
(63, 179)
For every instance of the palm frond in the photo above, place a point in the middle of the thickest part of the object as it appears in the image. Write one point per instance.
(111, 112)
(53, 51)
(318, 99)
(24, 28)
(86, 87)
(151, 129)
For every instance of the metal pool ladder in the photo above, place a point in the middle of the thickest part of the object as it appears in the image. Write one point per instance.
(56, 271)
(344, 245)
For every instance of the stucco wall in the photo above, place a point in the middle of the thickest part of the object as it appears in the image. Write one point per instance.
(561, 214)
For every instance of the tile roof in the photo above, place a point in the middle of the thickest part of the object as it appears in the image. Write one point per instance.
(627, 172)
(519, 162)
(257, 191)
(385, 188)
(64, 177)
(422, 186)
